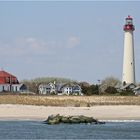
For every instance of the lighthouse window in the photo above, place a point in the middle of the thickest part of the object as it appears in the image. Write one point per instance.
(128, 21)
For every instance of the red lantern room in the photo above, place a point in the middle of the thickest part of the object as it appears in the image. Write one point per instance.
(129, 24)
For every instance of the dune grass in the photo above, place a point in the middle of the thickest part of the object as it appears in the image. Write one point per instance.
(76, 101)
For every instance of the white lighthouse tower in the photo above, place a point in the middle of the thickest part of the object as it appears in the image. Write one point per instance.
(129, 61)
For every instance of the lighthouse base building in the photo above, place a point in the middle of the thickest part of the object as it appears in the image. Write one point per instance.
(9, 83)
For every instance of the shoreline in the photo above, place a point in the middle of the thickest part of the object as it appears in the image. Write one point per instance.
(40, 113)
(40, 120)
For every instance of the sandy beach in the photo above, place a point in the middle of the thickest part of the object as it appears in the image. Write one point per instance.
(107, 112)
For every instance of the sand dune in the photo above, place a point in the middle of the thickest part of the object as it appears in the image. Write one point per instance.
(30, 112)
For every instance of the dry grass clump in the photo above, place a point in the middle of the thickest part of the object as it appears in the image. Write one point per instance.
(77, 101)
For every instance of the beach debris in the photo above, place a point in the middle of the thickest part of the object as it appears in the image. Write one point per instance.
(57, 119)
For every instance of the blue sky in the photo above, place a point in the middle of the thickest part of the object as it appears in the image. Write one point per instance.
(77, 40)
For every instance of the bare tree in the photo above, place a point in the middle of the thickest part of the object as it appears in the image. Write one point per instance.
(109, 82)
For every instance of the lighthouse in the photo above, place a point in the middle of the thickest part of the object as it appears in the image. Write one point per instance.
(128, 76)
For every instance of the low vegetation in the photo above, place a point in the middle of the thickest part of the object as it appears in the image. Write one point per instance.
(76, 101)
(106, 87)
(33, 84)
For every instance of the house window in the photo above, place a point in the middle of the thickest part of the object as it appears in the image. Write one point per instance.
(7, 79)
(15, 88)
(47, 91)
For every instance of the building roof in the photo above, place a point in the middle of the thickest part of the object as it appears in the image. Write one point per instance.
(127, 86)
(137, 88)
(6, 77)
(6, 74)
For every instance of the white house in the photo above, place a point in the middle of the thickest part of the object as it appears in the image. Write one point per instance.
(19, 88)
(132, 87)
(71, 89)
(66, 89)
(60, 89)
(137, 90)
(47, 88)
(128, 86)
(5, 87)
(77, 90)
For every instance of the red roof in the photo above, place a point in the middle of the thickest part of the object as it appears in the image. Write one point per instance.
(5, 74)
(7, 78)
(129, 17)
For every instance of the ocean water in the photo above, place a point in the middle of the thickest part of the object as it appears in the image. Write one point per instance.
(39, 130)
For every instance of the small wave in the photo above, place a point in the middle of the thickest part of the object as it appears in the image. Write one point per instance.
(120, 120)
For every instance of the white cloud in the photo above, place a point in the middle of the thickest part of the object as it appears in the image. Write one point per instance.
(34, 46)
(73, 42)
(24, 46)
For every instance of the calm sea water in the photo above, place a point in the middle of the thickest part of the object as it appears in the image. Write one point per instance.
(39, 130)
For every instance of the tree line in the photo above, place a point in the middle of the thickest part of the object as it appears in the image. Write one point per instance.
(106, 87)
